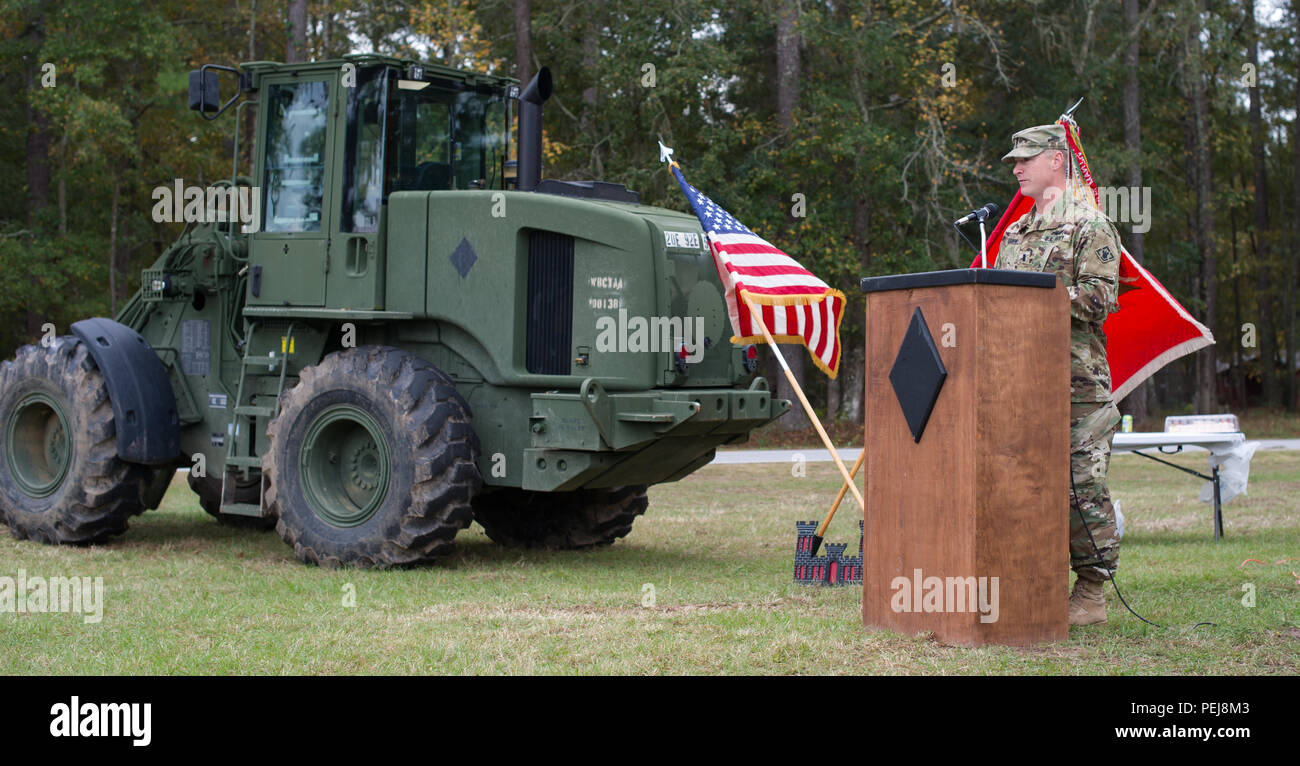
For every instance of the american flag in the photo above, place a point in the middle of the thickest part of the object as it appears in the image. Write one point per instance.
(796, 306)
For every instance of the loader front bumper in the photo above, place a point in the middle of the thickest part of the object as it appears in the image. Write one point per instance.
(594, 438)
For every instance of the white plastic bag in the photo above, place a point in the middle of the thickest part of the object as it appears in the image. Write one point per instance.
(1234, 472)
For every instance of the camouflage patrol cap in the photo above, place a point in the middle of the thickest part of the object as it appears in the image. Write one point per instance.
(1032, 141)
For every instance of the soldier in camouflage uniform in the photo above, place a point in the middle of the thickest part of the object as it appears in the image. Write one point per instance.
(1066, 235)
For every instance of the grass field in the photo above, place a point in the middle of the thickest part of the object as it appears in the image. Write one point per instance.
(185, 595)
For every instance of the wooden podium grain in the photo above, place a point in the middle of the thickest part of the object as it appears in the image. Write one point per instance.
(985, 491)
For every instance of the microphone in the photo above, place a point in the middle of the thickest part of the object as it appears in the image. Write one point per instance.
(988, 211)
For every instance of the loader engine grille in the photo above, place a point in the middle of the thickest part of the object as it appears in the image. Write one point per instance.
(550, 303)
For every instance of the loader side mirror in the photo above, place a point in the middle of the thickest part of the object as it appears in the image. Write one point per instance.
(204, 95)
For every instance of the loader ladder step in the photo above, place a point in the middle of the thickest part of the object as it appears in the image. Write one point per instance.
(260, 412)
(262, 361)
(242, 509)
(245, 419)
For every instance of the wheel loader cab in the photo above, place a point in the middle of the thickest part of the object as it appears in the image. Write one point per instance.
(340, 139)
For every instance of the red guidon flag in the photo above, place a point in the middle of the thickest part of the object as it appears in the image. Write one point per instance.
(1151, 329)
(796, 306)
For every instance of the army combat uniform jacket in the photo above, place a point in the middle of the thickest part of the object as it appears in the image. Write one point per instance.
(1077, 243)
(1080, 246)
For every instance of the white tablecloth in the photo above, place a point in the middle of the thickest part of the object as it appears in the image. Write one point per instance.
(1229, 452)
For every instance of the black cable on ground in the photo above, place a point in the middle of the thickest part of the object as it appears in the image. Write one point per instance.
(1074, 493)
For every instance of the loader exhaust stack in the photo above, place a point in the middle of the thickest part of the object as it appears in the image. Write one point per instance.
(530, 129)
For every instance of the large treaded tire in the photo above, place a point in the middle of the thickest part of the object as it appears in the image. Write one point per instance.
(208, 489)
(97, 492)
(559, 520)
(430, 447)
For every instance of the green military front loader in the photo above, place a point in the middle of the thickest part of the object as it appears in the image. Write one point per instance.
(384, 331)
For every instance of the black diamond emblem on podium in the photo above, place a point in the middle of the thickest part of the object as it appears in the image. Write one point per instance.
(917, 375)
(463, 258)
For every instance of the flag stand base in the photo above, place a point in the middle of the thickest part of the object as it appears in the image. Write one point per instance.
(832, 569)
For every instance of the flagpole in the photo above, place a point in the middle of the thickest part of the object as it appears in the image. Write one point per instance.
(844, 488)
(757, 316)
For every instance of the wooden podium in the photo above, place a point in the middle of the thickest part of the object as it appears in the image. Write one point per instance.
(967, 467)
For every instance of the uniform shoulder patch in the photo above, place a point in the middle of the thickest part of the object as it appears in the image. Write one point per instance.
(1099, 237)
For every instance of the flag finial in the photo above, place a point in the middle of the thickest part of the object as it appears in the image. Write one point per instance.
(666, 154)
(1069, 113)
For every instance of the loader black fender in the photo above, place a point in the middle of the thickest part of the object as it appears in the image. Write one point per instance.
(144, 407)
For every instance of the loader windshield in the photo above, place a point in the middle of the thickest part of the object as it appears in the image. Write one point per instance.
(407, 135)
(447, 139)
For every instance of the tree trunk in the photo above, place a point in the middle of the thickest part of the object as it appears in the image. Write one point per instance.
(1288, 311)
(860, 227)
(326, 34)
(1205, 398)
(1132, 121)
(297, 48)
(112, 246)
(834, 398)
(38, 130)
(1263, 280)
(63, 185)
(449, 47)
(523, 41)
(787, 98)
(787, 63)
(1289, 299)
(37, 147)
(796, 358)
(851, 366)
(247, 133)
(854, 387)
(591, 65)
(1238, 364)
(1136, 403)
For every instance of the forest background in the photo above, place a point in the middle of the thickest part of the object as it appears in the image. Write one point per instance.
(851, 134)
